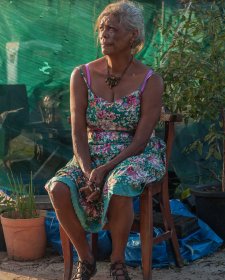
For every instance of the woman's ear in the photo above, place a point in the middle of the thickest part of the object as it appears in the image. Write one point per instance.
(134, 35)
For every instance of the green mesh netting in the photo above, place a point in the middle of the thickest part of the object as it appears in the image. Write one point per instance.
(41, 42)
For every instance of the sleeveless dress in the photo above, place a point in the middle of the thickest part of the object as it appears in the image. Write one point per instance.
(111, 127)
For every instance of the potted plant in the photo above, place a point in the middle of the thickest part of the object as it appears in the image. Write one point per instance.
(193, 69)
(23, 226)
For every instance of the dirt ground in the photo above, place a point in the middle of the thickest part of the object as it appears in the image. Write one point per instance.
(51, 268)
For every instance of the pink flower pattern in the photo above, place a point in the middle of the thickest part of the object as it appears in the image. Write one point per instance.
(111, 127)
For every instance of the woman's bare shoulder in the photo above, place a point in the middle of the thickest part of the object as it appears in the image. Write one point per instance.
(139, 69)
(139, 66)
(94, 66)
(156, 79)
(154, 84)
(97, 65)
(76, 74)
(143, 68)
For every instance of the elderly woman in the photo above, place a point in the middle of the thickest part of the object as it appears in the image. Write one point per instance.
(115, 103)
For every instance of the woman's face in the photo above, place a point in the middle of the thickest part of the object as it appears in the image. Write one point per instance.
(113, 36)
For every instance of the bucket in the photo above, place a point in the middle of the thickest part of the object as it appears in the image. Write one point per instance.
(210, 207)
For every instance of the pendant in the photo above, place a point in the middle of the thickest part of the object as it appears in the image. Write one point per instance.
(112, 81)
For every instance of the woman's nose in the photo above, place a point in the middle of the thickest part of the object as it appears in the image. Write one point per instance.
(104, 33)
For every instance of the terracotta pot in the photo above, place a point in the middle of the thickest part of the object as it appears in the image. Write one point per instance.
(25, 238)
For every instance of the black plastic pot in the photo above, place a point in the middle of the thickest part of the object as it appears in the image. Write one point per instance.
(210, 207)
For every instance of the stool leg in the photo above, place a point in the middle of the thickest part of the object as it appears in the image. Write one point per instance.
(146, 233)
(67, 254)
(169, 225)
(94, 244)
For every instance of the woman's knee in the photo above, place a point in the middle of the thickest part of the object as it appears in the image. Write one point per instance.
(120, 207)
(58, 192)
(118, 203)
(122, 200)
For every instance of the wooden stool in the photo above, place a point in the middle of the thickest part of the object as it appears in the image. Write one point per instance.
(145, 225)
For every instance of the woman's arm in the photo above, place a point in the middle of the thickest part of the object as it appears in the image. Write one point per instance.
(78, 106)
(151, 104)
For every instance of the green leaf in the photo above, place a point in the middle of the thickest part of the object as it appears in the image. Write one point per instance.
(217, 155)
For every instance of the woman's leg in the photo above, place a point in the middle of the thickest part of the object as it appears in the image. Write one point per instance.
(120, 216)
(61, 200)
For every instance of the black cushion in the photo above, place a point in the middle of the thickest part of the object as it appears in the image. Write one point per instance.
(14, 109)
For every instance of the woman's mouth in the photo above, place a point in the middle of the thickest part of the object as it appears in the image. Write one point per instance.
(106, 44)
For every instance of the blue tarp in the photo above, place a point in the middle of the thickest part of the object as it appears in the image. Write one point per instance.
(53, 237)
(195, 246)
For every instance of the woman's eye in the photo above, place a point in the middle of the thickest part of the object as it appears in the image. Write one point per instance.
(102, 28)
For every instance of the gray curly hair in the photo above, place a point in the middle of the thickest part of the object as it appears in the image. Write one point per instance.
(130, 15)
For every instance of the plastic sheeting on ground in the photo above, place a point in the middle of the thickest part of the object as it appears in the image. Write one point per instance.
(197, 245)
(201, 243)
(53, 237)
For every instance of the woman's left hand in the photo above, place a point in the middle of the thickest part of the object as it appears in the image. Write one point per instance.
(93, 188)
(98, 175)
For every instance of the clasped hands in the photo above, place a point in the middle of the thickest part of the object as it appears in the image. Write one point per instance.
(93, 187)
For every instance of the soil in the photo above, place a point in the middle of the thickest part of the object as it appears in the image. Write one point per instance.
(51, 268)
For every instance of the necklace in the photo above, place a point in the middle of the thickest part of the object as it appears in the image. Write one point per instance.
(112, 80)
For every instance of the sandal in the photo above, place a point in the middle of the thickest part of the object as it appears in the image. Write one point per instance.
(118, 270)
(85, 270)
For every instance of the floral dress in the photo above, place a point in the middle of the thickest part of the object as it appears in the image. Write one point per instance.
(111, 127)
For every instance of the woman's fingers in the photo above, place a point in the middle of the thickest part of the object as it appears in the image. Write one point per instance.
(93, 196)
(84, 189)
(87, 190)
(91, 191)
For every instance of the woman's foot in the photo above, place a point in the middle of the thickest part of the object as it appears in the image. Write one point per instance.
(118, 271)
(85, 270)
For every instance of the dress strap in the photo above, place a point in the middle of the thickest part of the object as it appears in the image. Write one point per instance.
(147, 76)
(88, 75)
(83, 76)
